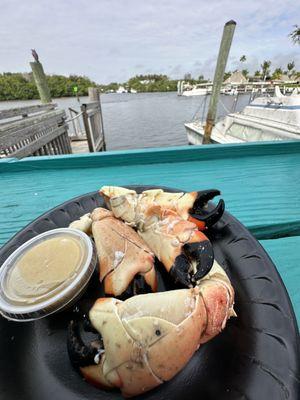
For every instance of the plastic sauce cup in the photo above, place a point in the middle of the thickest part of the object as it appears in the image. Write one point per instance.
(59, 296)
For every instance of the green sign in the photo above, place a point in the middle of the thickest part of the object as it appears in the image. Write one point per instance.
(75, 89)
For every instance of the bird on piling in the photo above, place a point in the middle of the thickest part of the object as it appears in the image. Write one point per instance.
(35, 55)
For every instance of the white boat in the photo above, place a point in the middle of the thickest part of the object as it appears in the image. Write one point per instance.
(265, 118)
(200, 89)
(121, 89)
(229, 91)
(133, 90)
(195, 92)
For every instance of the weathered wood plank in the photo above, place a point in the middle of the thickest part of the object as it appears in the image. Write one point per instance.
(36, 144)
(91, 105)
(27, 133)
(87, 127)
(68, 141)
(21, 111)
(41, 81)
(94, 95)
(93, 112)
(23, 123)
(55, 146)
(92, 124)
(40, 127)
(61, 146)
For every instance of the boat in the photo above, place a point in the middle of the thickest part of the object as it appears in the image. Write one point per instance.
(265, 118)
(196, 91)
(186, 89)
(121, 89)
(229, 91)
(133, 90)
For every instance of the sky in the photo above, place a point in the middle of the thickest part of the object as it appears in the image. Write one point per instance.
(113, 40)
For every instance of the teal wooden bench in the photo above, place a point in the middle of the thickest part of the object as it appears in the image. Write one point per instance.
(260, 183)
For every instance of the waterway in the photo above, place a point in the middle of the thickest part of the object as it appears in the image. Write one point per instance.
(142, 120)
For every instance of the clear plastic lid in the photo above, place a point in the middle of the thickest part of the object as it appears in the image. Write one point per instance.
(46, 274)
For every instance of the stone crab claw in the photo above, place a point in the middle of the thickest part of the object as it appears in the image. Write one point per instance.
(126, 264)
(185, 252)
(124, 258)
(130, 206)
(149, 338)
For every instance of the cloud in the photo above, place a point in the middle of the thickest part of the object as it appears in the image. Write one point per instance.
(115, 39)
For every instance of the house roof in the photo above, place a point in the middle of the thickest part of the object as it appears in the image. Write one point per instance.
(284, 78)
(236, 78)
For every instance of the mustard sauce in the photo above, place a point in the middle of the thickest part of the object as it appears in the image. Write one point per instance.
(44, 269)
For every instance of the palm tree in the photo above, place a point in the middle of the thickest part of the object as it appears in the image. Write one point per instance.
(277, 73)
(257, 74)
(245, 72)
(265, 67)
(243, 58)
(290, 68)
(295, 35)
(227, 75)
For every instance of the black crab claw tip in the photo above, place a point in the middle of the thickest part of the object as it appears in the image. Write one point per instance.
(179, 270)
(201, 254)
(209, 217)
(80, 354)
(204, 196)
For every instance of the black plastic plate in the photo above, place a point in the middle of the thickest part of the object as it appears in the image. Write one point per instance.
(255, 357)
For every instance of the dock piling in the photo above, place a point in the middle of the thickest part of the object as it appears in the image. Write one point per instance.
(94, 95)
(218, 78)
(40, 81)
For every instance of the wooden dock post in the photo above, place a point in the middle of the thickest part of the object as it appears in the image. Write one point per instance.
(218, 78)
(40, 79)
(94, 95)
(93, 122)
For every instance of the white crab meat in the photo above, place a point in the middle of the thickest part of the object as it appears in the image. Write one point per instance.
(84, 223)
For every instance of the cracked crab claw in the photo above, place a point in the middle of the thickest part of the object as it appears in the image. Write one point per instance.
(146, 340)
(131, 207)
(185, 252)
(149, 338)
(122, 254)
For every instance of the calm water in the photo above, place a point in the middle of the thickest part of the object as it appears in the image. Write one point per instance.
(146, 119)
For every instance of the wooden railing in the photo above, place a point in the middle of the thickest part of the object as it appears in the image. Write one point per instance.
(93, 122)
(76, 128)
(34, 130)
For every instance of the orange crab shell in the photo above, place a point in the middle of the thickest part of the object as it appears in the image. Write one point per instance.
(122, 253)
(166, 232)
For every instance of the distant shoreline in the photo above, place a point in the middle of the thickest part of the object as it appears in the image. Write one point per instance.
(74, 97)
(21, 86)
